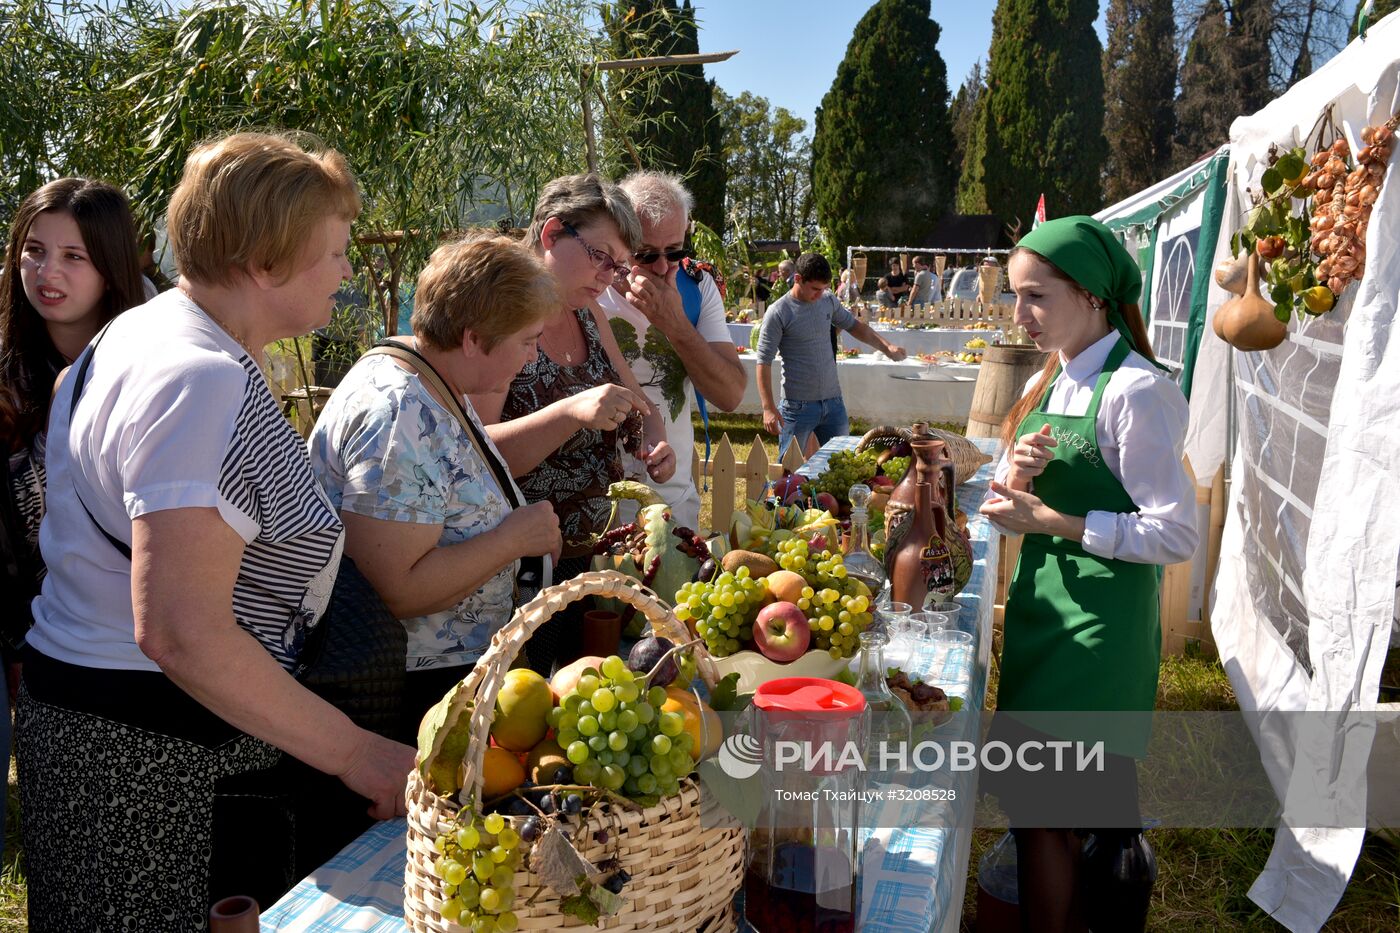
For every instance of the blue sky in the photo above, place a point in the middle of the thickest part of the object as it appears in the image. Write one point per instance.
(789, 49)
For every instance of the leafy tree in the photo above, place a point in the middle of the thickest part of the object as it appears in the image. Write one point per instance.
(768, 165)
(963, 111)
(1209, 98)
(1382, 8)
(664, 118)
(1139, 68)
(1039, 126)
(882, 142)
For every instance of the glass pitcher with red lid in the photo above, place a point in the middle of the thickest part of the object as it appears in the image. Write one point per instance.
(803, 852)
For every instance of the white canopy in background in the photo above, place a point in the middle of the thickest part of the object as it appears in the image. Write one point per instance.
(1305, 589)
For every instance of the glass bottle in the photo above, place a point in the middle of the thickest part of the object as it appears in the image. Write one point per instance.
(1119, 872)
(890, 722)
(860, 563)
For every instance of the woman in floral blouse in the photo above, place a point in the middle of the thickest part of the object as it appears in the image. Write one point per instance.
(424, 498)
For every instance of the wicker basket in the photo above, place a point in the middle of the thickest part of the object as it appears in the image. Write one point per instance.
(685, 854)
(967, 459)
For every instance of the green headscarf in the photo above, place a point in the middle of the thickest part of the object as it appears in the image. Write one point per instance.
(1088, 252)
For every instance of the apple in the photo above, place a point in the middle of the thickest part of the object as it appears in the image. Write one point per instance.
(826, 500)
(781, 632)
(880, 480)
(789, 487)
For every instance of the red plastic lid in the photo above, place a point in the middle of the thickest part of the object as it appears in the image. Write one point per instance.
(808, 695)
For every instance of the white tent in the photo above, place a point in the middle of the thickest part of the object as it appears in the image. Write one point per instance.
(1304, 594)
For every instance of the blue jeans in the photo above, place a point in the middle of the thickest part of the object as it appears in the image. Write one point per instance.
(827, 417)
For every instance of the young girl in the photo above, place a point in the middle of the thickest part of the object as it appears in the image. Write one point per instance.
(71, 267)
(1092, 477)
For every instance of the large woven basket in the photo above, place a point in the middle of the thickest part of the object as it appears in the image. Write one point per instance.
(967, 459)
(685, 854)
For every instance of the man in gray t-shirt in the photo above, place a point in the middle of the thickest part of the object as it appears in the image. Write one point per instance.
(927, 288)
(798, 327)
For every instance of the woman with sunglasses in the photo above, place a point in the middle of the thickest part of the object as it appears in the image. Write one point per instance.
(560, 424)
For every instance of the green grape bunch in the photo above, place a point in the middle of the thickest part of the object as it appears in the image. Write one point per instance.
(723, 609)
(843, 470)
(896, 467)
(837, 606)
(616, 735)
(477, 861)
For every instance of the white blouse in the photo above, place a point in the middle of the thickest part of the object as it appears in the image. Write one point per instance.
(1141, 431)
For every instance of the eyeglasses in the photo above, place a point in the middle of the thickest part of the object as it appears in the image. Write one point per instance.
(600, 258)
(672, 255)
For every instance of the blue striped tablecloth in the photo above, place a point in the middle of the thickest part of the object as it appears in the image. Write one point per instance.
(912, 876)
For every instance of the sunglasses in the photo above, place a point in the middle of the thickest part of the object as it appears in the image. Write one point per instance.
(599, 258)
(672, 255)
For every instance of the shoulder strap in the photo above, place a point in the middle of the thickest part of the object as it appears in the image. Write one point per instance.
(691, 303)
(79, 379)
(535, 573)
(430, 375)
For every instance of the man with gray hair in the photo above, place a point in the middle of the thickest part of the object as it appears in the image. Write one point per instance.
(668, 318)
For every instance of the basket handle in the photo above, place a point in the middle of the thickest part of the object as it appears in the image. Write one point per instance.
(484, 681)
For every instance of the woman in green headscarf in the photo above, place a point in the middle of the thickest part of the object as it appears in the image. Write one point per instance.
(1092, 477)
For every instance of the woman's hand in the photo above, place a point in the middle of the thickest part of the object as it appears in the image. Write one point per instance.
(1023, 512)
(1030, 455)
(605, 407)
(661, 462)
(379, 770)
(535, 530)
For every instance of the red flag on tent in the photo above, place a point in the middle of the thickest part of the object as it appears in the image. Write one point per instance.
(1039, 213)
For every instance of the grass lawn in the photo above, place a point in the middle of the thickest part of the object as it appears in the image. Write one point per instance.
(1203, 874)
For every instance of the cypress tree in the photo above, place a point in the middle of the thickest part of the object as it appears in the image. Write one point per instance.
(670, 109)
(1250, 25)
(1139, 68)
(1382, 8)
(1039, 128)
(1209, 99)
(881, 168)
(963, 111)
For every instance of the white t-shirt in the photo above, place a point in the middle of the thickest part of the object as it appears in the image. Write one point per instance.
(662, 375)
(385, 448)
(1141, 430)
(175, 414)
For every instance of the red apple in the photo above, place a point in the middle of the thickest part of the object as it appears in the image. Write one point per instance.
(781, 632)
(826, 500)
(880, 480)
(789, 487)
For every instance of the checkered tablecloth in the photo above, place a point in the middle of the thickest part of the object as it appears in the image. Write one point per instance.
(912, 875)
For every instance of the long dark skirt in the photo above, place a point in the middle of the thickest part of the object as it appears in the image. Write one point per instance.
(129, 826)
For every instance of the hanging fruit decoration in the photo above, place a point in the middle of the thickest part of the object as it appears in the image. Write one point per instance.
(1311, 259)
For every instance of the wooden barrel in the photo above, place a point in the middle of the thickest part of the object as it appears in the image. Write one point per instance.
(1004, 372)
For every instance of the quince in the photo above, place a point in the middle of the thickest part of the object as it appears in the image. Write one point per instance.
(1319, 299)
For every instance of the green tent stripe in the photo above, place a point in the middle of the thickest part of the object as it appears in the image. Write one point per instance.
(1211, 211)
(1148, 215)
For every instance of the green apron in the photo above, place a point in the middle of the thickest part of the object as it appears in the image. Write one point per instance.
(1082, 631)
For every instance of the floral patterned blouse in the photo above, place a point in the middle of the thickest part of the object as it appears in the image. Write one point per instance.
(575, 478)
(385, 448)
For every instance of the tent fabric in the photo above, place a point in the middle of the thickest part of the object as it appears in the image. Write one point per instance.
(1304, 593)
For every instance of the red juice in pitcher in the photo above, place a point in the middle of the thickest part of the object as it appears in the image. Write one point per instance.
(791, 895)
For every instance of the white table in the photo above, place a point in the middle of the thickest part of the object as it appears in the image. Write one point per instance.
(880, 390)
(913, 876)
(739, 333)
(920, 340)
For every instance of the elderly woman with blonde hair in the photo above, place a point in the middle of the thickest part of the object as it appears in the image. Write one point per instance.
(190, 553)
(430, 510)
